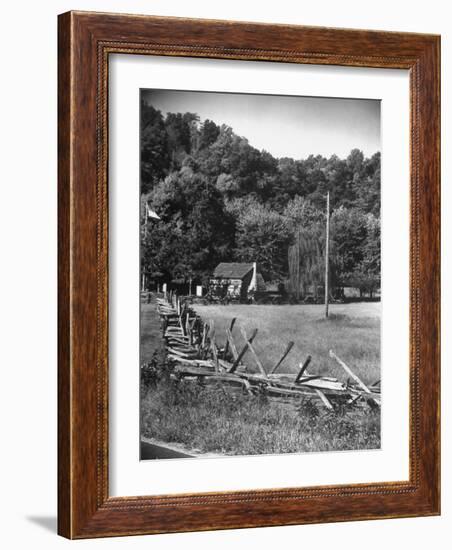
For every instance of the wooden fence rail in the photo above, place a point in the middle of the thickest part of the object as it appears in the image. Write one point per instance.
(192, 349)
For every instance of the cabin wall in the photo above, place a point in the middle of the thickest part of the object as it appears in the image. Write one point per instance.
(224, 286)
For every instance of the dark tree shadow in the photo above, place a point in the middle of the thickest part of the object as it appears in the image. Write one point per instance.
(49, 523)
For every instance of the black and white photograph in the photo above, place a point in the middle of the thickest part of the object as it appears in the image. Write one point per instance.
(260, 274)
(226, 254)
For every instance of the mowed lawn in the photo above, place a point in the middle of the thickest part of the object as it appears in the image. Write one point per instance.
(352, 331)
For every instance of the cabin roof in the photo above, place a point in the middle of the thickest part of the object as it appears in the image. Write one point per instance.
(232, 270)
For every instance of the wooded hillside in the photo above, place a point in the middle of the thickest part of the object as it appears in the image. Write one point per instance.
(221, 199)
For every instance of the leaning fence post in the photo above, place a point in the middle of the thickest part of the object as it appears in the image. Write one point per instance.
(355, 377)
(231, 326)
(231, 343)
(349, 371)
(254, 354)
(303, 368)
(324, 399)
(286, 352)
(243, 351)
(213, 345)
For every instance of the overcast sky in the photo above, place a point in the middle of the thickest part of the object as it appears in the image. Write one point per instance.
(284, 125)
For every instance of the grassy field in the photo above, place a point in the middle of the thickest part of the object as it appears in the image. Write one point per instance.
(212, 421)
(352, 331)
(151, 341)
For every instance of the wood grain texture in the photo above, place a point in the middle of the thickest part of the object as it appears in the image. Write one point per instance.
(85, 42)
(64, 295)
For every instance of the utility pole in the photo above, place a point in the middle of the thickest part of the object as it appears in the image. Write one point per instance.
(327, 252)
(143, 275)
(143, 281)
(297, 264)
(146, 220)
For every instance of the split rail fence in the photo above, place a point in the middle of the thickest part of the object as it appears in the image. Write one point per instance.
(191, 347)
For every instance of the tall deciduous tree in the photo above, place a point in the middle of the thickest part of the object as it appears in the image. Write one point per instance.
(196, 231)
(262, 236)
(155, 153)
(221, 199)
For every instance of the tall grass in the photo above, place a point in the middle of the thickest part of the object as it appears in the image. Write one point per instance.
(211, 419)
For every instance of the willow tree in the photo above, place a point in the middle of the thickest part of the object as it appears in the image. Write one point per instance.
(307, 261)
(306, 252)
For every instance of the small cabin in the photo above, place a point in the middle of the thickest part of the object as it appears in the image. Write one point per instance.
(235, 281)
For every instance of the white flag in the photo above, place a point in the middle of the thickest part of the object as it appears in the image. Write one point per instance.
(151, 213)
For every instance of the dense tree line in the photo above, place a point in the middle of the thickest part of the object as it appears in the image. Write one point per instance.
(220, 199)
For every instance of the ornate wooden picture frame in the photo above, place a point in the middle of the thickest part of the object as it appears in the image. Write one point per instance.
(86, 40)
